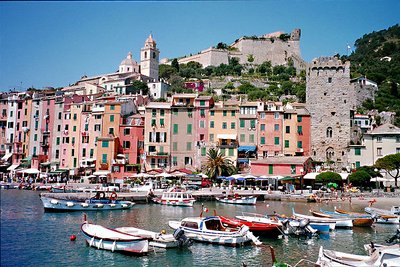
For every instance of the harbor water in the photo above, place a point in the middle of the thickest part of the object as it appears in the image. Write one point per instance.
(31, 237)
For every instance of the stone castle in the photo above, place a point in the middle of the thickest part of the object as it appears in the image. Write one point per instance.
(269, 47)
(332, 99)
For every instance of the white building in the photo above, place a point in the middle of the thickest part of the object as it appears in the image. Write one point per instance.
(383, 140)
(158, 90)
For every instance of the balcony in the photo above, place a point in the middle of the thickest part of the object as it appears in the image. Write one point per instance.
(157, 154)
(45, 131)
(227, 144)
(44, 144)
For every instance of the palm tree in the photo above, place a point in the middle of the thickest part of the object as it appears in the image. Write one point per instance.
(217, 164)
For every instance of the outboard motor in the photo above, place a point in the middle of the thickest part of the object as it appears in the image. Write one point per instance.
(394, 239)
(183, 240)
(303, 223)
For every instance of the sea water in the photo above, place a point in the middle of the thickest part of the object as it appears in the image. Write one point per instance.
(31, 237)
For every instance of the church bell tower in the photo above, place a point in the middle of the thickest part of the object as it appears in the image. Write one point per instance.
(149, 59)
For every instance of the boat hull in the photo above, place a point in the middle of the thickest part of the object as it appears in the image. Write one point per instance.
(265, 229)
(59, 205)
(108, 239)
(172, 202)
(238, 201)
(359, 220)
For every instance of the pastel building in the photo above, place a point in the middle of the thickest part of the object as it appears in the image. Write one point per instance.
(157, 136)
(183, 136)
(381, 141)
(282, 166)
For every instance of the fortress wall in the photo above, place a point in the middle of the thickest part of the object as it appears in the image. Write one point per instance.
(209, 57)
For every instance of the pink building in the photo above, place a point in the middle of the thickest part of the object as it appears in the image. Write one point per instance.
(282, 166)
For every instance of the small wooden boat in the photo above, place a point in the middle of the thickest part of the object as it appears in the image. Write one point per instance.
(267, 229)
(387, 219)
(236, 199)
(101, 237)
(382, 256)
(211, 230)
(176, 197)
(384, 216)
(321, 224)
(357, 221)
(99, 202)
(160, 240)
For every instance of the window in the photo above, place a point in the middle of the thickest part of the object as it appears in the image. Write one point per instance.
(74, 128)
(286, 143)
(251, 138)
(111, 118)
(112, 107)
(175, 131)
(299, 118)
(357, 151)
(202, 102)
(253, 124)
(174, 161)
(299, 144)
(202, 113)
(73, 140)
(104, 143)
(72, 152)
(276, 140)
(188, 146)
(203, 151)
(188, 161)
(189, 129)
(379, 139)
(276, 115)
(211, 124)
(233, 125)
(397, 150)
(127, 131)
(162, 112)
(222, 151)
(57, 141)
(58, 128)
(262, 140)
(153, 122)
(287, 116)
(97, 127)
(270, 169)
(83, 152)
(242, 123)
(231, 152)
(379, 151)
(57, 154)
(75, 117)
(59, 115)
(262, 115)
(329, 132)
(233, 113)
(86, 127)
(153, 112)
(358, 164)
(104, 158)
(35, 137)
(276, 127)
(330, 80)
(175, 146)
(262, 127)
(211, 137)
(293, 169)
(224, 113)
(126, 144)
(287, 129)
(91, 153)
(162, 122)
(212, 113)
(300, 130)
(242, 138)
(175, 111)
(202, 124)
(397, 139)
(111, 131)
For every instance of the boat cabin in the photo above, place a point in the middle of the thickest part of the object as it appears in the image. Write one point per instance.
(207, 223)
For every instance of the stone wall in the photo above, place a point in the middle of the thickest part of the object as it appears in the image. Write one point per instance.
(330, 100)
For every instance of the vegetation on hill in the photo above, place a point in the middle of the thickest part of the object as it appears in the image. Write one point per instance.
(377, 56)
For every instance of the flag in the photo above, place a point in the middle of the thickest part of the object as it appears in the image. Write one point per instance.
(205, 209)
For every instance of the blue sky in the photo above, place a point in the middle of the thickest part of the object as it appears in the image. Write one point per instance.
(55, 43)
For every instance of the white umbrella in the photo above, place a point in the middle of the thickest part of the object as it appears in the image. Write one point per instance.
(164, 174)
(249, 176)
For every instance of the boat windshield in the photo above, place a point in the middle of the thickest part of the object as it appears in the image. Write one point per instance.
(189, 224)
(214, 225)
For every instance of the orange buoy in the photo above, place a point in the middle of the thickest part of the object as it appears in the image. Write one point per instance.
(72, 237)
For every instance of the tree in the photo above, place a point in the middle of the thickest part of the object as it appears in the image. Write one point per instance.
(390, 163)
(175, 64)
(165, 71)
(217, 164)
(137, 86)
(328, 177)
(360, 178)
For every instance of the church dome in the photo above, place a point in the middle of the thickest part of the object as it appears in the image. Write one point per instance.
(128, 61)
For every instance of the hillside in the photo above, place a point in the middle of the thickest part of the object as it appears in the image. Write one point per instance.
(377, 56)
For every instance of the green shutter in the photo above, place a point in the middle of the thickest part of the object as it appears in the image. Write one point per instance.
(242, 123)
(203, 151)
(286, 143)
(270, 169)
(175, 146)
(104, 158)
(262, 141)
(300, 129)
(224, 113)
(253, 123)
(287, 129)
(299, 118)
(299, 144)
(231, 152)
(211, 124)
(162, 122)
(189, 129)
(276, 139)
(175, 129)
(111, 118)
(233, 125)
(242, 138)
(357, 151)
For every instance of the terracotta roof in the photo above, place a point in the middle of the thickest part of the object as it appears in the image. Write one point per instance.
(386, 129)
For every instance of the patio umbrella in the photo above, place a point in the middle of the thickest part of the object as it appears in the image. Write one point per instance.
(330, 185)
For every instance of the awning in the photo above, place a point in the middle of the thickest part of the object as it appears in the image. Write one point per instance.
(6, 156)
(243, 160)
(247, 149)
(226, 136)
(101, 173)
(29, 171)
(287, 178)
(344, 175)
(12, 167)
(311, 175)
(28, 158)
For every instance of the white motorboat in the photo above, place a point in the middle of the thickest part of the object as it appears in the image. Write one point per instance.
(388, 256)
(176, 197)
(160, 240)
(333, 222)
(385, 216)
(99, 202)
(238, 200)
(211, 230)
(101, 237)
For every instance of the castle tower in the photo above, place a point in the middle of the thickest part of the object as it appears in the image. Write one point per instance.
(330, 101)
(149, 58)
